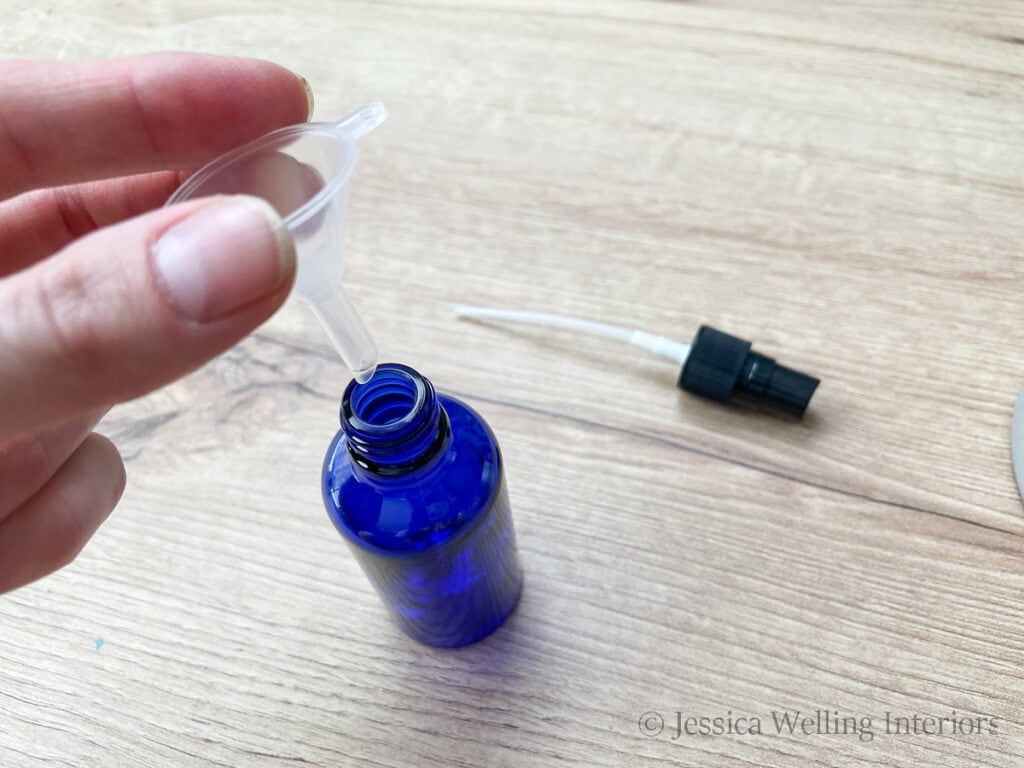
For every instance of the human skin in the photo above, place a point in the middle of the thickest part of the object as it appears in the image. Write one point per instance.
(104, 295)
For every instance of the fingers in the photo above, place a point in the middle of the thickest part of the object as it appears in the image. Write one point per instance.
(63, 122)
(28, 462)
(131, 307)
(282, 180)
(50, 529)
(37, 224)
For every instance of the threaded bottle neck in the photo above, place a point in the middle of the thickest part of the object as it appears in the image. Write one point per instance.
(393, 423)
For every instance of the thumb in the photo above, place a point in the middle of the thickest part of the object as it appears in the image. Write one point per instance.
(129, 308)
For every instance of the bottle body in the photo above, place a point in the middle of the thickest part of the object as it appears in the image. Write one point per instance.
(415, 484)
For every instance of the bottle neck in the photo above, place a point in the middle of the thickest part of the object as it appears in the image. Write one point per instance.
(393, 423)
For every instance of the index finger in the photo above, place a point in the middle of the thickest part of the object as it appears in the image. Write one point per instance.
(64, 122)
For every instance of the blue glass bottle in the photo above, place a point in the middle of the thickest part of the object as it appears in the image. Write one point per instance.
(414, 482)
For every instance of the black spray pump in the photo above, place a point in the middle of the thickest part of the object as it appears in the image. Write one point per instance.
(716, 365)
(723, 368)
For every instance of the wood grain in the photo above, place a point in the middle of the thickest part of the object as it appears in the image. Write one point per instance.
(842, 183)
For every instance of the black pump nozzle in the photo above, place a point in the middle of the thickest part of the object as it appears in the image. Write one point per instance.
(722, 367)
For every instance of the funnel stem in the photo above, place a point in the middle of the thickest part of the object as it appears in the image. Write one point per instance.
(346, 331)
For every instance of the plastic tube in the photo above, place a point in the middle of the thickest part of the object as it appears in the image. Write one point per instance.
(659, 345)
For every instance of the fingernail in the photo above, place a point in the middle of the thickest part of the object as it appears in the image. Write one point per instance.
(309, 96)
(224, 257)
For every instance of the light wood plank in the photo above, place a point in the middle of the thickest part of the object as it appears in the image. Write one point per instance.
(842, 183)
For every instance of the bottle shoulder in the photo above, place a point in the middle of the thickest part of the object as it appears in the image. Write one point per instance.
(422, 507)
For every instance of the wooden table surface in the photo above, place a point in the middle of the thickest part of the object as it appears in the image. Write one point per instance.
(841, 182)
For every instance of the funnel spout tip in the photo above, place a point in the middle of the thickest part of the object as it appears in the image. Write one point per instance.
(363, 120)
(365, 374)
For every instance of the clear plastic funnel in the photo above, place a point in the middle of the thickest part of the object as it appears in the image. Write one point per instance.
(303, 171)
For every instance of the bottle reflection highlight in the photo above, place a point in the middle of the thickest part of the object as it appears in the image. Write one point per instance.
(414, 481)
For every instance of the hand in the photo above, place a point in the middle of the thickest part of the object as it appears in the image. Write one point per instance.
(97, 307)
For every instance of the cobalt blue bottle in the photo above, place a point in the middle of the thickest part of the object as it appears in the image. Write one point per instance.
(414, 482)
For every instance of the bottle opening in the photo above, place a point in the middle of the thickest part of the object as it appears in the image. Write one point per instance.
(389, 397)
(386, 406)
(393, 423)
